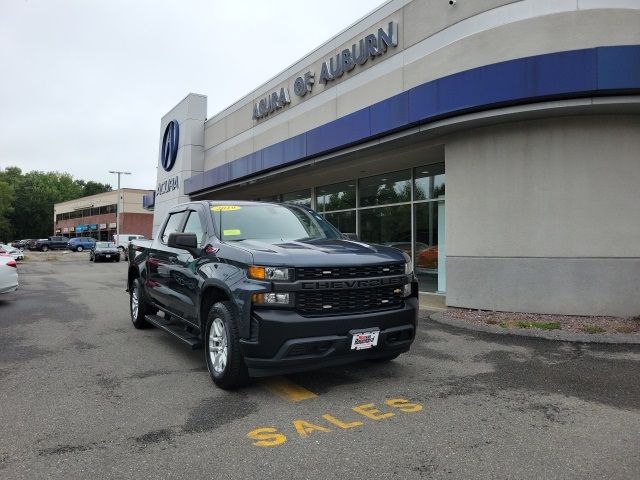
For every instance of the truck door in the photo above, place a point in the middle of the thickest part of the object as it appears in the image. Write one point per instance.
(161, 261)
(186, 280)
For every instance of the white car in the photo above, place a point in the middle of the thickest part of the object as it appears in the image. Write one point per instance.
(8, 274)
(14, 252)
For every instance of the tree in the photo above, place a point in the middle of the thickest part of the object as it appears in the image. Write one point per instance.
(93, 188)
(7, 196)
(26, 200)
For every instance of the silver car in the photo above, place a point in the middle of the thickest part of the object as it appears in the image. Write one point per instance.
(8, 274)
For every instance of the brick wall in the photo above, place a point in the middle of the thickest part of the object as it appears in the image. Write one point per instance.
(139, 223)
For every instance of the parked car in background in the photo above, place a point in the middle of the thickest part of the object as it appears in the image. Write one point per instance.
(122, 242)
(78, 244)
(52, 243)
(8, 274)
(16, 253)
(106, 251)
(31, 243)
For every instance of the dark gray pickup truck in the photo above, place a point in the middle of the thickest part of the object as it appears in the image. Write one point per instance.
(270, 288)
(52, 243)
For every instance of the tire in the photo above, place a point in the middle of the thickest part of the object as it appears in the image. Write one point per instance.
(79, 249)
(91, 257)
(45, 248)
(143, 308)
(118, 258)
(229, 370)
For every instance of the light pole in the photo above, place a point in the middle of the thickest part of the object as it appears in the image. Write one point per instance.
(118, 206)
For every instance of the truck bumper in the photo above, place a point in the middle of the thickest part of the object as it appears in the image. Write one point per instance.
(288, 342)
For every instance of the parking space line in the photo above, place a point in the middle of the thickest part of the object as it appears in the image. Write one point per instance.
(288, 390)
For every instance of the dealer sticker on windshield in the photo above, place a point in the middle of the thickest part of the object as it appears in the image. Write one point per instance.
(225, 208)
(364, 340)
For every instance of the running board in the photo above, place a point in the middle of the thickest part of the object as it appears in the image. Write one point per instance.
(177, 330)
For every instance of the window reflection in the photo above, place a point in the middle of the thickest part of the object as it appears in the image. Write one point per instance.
(345, 222)
(393, 187)
(338, 196)
(386, 225)
(301, 197)
(426, 257)
(429, 182)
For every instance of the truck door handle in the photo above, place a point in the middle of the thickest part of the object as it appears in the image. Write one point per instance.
(151, 255)
(173, 259)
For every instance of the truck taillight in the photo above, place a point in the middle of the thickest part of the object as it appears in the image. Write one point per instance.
(12, 263)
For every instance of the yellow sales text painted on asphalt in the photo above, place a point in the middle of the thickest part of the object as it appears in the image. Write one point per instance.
(273, 437)
(225, 208)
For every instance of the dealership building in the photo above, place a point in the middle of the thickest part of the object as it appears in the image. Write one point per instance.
(98, 215)
(496, 141)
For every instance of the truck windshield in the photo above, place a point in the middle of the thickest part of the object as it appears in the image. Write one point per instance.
(270, 222)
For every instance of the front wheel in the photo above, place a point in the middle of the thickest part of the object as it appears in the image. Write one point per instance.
(222, 347)
(45, 248)
(138, 306)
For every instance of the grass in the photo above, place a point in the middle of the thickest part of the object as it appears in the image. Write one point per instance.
(540, 325)
(504, 324)
(594, 329)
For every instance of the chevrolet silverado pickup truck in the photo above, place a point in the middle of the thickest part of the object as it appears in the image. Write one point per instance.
(266, 289)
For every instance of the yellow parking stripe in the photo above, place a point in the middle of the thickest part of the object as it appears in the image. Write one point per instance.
(288, 390)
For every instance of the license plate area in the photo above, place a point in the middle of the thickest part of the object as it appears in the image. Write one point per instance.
(364, 339)
(108, 256)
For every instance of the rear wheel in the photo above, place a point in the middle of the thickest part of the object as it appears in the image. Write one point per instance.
(45, 248)
(222, 347)
(79, 249)
(138, 306)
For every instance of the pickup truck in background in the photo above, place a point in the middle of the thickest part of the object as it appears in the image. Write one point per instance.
(268, 288)
(52, 243)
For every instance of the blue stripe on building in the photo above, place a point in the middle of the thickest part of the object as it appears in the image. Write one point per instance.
(572, 74)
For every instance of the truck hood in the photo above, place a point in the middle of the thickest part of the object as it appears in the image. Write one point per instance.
(318, 252)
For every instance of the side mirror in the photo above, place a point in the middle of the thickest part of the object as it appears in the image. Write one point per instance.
(351, 236)
(185, 241)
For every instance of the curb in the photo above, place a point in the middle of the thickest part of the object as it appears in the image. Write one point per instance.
(618, 338)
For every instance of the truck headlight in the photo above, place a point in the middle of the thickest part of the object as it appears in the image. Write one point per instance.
(408, 267)
(268, 273)
(270, 298)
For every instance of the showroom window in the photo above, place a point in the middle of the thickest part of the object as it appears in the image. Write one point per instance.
(337, 204)
(392, 187)
(402, 209)
(301, 197)
(429, 190)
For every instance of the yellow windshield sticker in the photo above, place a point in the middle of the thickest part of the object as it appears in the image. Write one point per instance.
(231, 233)
(225, 208)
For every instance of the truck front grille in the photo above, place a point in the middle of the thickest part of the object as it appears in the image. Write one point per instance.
(340, 302)
(315, 273)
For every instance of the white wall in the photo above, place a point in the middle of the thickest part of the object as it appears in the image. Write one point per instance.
(545, 216)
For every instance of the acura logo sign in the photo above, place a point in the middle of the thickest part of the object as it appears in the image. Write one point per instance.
(170, 145)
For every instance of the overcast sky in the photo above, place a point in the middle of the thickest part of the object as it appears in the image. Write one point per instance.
(84, 84)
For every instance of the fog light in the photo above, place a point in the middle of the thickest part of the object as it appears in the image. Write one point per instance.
(407, 290)
(270, 298)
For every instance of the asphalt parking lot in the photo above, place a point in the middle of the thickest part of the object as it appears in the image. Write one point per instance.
(85, 395)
